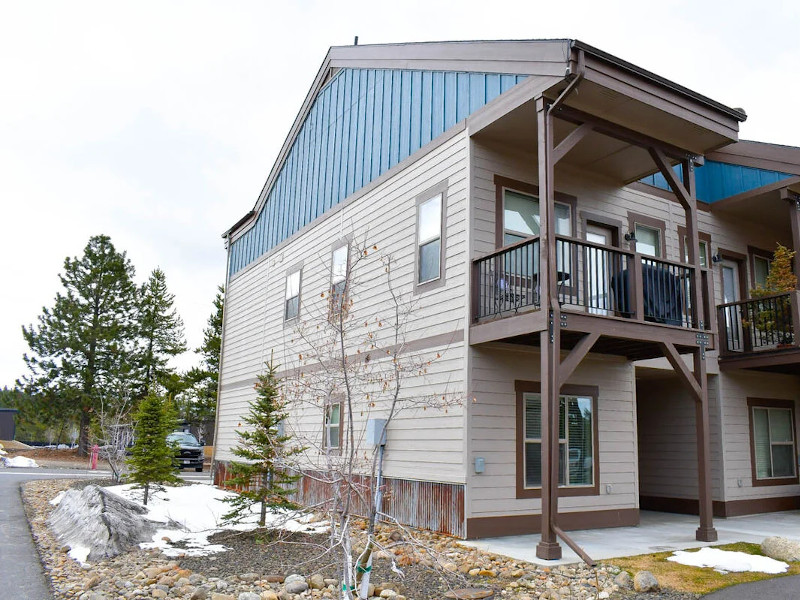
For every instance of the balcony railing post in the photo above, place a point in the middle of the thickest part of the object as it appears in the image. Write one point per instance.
(795, 302)
(637, 289)
(722, 332)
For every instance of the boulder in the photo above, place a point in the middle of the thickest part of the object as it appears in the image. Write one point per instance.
(623, 580)
(645, 581)
(103, 522)
(781, 549)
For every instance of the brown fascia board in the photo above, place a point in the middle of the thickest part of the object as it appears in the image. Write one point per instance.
(738, 114)
(760, 155)
(239, 224)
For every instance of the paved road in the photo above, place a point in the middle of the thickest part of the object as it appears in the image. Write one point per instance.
(780, 588)
(22, 576)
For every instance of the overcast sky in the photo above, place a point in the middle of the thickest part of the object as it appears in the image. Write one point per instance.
(156, 123)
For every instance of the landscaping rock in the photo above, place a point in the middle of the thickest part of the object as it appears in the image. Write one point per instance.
(623, 580)
(316, 582)
(645, 581)
(269, 595)
(249, 596)
(295, 586)
(781, 549)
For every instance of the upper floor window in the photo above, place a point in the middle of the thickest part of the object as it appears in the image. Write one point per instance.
(761, 266)
(429, 239)
(705, 245)
(521, 217)
(648, 240)
(339, 265)
(292, 302)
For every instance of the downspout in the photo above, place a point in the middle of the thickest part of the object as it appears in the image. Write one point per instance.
(581, 71)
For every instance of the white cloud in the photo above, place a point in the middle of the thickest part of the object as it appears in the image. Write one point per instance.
(157, 122)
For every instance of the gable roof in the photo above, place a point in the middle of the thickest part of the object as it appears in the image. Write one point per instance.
(370, 107)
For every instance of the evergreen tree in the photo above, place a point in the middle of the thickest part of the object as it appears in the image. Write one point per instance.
(263, 479)
(82, 347)
(202, 407)
(152, 457)
(160, 331)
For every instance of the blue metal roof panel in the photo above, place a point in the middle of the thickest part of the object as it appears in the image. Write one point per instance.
(361, 124)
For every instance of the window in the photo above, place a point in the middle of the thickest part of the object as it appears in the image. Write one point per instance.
(648, 240)
(577, 440)
(332, 429)
(339, 264)
(292, 304)
(521, 217)
(703, 252)
(429, 239)
(773, 441)
(761, 265)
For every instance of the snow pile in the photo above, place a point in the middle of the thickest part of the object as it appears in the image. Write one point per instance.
(21, 462)
(725, 560)
(2, 452)
(97, 524)
(198, 511)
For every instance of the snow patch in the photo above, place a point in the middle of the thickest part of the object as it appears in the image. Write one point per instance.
(21, 462)
(55, 501)
(79, 553)
(726, 560)
(198, 510)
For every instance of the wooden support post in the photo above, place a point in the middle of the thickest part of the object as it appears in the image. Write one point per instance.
(693, 243)
(548, 548)
(706, 531)
(794, 219)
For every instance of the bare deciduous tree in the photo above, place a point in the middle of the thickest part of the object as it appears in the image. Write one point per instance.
(351, 366)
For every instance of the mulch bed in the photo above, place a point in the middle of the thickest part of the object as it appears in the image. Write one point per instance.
(268, 553)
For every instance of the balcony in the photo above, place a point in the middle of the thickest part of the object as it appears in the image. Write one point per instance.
(622, 295)
(760, 333)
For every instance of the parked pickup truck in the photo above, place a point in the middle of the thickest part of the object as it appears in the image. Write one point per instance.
(190, 451)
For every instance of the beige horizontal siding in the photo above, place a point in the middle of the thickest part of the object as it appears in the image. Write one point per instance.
(492, 431)
(429, 445)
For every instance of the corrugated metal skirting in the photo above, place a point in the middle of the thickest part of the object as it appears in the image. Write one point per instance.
(423, 504)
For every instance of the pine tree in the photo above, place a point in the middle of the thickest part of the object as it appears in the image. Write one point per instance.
(264, 479)
(152, 457)
(82, 347)
(204, 379)
(160, 331)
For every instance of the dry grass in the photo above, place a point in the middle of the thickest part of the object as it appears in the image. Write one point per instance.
(695, 579)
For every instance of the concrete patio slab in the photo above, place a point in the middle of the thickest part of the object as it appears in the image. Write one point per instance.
(656, 532)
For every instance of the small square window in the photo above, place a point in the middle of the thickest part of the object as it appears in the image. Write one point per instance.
(703, 252)
(761, 266)
(292, 302)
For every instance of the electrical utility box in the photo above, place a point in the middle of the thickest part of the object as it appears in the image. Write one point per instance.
(376, 432)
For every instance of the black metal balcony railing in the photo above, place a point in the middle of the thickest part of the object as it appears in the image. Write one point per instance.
(507, 280)
(757, 325)
(599, 279)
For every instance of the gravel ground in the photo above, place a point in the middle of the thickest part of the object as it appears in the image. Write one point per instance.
(255, 566)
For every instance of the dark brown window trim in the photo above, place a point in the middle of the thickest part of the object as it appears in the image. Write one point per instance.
(439, 188)
(770, 403)
(752, 252)
(502, 183)
(634, 218)
(521, 387)
(290, 271)
(590, 218)
(704, 237)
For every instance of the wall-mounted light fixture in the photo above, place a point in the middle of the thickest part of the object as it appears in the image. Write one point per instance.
(717, 258)
(630, 237)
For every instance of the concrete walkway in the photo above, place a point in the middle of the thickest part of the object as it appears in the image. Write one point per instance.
(657, 532)
(22, 575)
